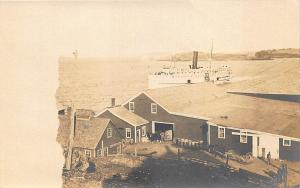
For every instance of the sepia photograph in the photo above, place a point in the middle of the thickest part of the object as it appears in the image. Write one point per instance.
(162, 94)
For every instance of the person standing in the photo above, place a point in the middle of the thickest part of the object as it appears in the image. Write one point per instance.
(269, 158)
(162, 137)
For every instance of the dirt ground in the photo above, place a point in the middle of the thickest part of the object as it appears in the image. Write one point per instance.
(158, 165)
(260, 167)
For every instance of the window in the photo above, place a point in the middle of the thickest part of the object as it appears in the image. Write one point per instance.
(243, 137)
(131, 106)
(153, 108)
(88, 153)
(221, 132)
(128, 133)
(144, 131)
(109, 132)
(99, 152)
(286, 142)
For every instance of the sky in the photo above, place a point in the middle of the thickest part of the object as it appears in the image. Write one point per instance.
(137, 27)
(33, 35)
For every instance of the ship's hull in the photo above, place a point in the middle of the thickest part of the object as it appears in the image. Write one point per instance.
(158, 81)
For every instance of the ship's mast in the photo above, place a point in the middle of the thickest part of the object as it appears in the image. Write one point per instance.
(211, 52)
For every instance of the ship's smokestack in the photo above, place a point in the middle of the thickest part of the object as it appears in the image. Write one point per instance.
(195, 60)
(113, 102)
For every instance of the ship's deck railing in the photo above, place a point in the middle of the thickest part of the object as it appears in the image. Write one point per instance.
(191, 73)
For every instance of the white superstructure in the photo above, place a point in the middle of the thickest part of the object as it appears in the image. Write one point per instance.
(168, 76)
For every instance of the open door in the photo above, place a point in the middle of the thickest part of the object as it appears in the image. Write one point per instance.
(263, 153)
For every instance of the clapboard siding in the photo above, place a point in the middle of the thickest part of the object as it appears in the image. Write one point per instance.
(185, 127)
(291, 153)
(120, 124)
(231, 142)
(115, 138)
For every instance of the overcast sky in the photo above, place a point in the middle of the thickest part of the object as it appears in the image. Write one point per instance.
(110, 29)
(34, 35)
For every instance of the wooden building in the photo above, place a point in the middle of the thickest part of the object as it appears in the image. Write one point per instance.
(209, 113)
(162, 120)
(93, 137)
(259, 131)
(131, 126)
(97, 137)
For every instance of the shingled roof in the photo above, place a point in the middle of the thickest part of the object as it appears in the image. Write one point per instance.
(260, 120)
(211, 102)
(89, 132)
(129, 117)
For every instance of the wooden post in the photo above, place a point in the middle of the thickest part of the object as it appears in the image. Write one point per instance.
(226, 167)
(178, 153)
(135, 152)
(71, 140)
(121, 148)
(285, 175)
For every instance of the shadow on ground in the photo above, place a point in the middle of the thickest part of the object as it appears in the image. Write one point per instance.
(170, 171)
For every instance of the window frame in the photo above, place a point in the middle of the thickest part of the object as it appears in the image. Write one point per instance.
(246, 137)
(88, 153)
(290, 142)
(107, 132)
(153, 106)
(98, 152)
(219, 128)
(129, 106)
(128, 130)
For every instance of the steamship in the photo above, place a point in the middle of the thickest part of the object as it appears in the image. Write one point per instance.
(170, 75)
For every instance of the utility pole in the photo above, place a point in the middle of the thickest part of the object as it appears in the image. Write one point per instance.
(72, 123)
(71, 138)
(211, 56)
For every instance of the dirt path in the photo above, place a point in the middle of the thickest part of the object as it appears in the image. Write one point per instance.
(158, 165)
(163, 168)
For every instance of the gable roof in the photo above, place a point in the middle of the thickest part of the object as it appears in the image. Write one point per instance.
(125, 115)
(84, 113)
(260, 120)
(89, 132)
(210, 102)
(181, 99)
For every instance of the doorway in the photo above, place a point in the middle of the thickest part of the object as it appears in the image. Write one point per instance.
(163, 127)
(263, 153)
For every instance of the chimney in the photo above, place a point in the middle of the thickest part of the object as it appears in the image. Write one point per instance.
(113, 102)
(195, 59)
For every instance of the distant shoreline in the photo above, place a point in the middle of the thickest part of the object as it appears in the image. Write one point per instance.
(259, 55)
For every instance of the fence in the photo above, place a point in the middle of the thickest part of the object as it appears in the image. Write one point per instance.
(186, 143)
